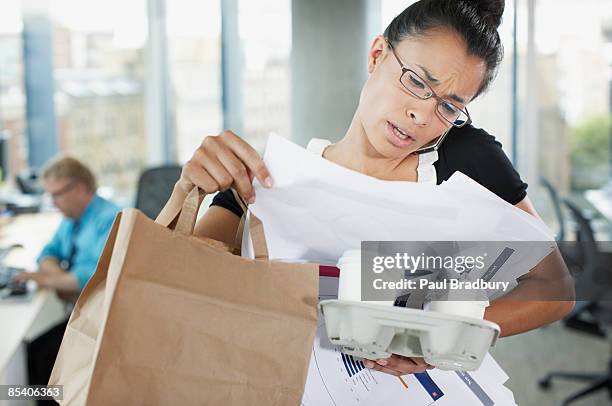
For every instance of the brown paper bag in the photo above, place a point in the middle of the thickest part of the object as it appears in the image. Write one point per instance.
(171, 319)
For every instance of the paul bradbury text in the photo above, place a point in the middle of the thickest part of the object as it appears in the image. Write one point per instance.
(445, 285)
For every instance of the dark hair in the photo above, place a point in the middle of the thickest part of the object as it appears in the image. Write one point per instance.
(476, 21)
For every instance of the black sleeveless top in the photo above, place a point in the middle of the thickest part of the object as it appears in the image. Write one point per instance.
(469, 150)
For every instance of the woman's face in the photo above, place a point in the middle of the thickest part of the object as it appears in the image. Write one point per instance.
(439, 58)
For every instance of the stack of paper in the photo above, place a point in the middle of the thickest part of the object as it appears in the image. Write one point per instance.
(317, 210)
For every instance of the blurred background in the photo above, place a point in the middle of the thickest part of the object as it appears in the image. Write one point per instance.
(126, 85)
(135, 84)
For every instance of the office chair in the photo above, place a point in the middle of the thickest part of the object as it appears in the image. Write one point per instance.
(568, 250)
(155, 187)
(597, 268)
(556, 201)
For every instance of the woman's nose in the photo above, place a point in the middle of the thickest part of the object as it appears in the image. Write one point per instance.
(422, 112)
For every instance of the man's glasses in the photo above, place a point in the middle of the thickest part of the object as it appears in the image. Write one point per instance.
(57, 194)
(420, 88)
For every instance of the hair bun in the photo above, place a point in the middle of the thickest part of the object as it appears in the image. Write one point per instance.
(490, 10)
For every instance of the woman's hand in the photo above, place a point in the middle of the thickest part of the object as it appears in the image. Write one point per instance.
(223, 161)
(398, 365)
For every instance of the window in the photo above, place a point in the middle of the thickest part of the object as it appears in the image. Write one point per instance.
(194, 38)
(265, 34)
(12, 97)
(98, 51)
(574, 62)
(194, 52)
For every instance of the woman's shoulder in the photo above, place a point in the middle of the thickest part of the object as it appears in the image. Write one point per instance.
(479, 155)
(470, 138)
(470, 148)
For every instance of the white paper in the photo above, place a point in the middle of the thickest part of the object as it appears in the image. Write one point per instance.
(317, 209)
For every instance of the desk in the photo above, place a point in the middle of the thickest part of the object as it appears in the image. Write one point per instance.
(17, 318)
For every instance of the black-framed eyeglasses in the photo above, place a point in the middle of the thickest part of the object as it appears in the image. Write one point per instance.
(413, 83)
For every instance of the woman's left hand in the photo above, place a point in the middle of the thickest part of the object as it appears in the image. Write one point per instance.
(398, 365)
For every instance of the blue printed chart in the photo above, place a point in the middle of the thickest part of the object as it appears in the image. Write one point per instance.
(352, 366)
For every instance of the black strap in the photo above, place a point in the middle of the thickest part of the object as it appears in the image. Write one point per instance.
(73, 248)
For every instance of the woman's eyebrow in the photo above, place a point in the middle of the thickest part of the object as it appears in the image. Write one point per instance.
(456, 98)
(435, 81)
(429, 75)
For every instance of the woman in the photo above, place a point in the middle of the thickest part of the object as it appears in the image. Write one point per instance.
(433, 59)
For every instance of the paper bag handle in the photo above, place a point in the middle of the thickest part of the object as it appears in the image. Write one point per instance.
(258, 237)
(188, 214)
(240, 230)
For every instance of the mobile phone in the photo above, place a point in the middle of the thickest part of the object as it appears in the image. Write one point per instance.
(434, 145)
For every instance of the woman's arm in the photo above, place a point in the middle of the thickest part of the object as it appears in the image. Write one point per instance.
(219, 224)
(518, 311)
(514, 312)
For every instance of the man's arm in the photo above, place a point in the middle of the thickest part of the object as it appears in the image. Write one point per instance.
(52, 276)
(53, 249)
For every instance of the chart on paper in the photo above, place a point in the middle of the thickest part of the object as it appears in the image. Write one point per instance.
(338, 379)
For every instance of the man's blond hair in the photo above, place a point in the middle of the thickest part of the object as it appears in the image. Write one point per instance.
(70, 168)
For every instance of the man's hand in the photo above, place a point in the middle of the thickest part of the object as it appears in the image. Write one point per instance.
(43, 279)
(44, 276)
(398, 365)
(63, 281)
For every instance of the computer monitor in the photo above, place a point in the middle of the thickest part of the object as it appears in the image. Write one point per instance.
(3, 155)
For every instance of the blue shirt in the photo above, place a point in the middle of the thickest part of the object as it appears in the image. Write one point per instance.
(94, 225)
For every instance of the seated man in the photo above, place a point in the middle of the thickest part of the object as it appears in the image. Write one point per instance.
(69, 260)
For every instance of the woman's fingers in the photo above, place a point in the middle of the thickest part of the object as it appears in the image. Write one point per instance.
(215, 168)
(241, 178)
(404, 364)
(373, 365)
(249, 157)
(199, 176)
(401, 360)
(224, 161)
(399, 365)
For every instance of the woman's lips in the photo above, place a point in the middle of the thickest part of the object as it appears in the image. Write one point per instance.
(395, 136)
